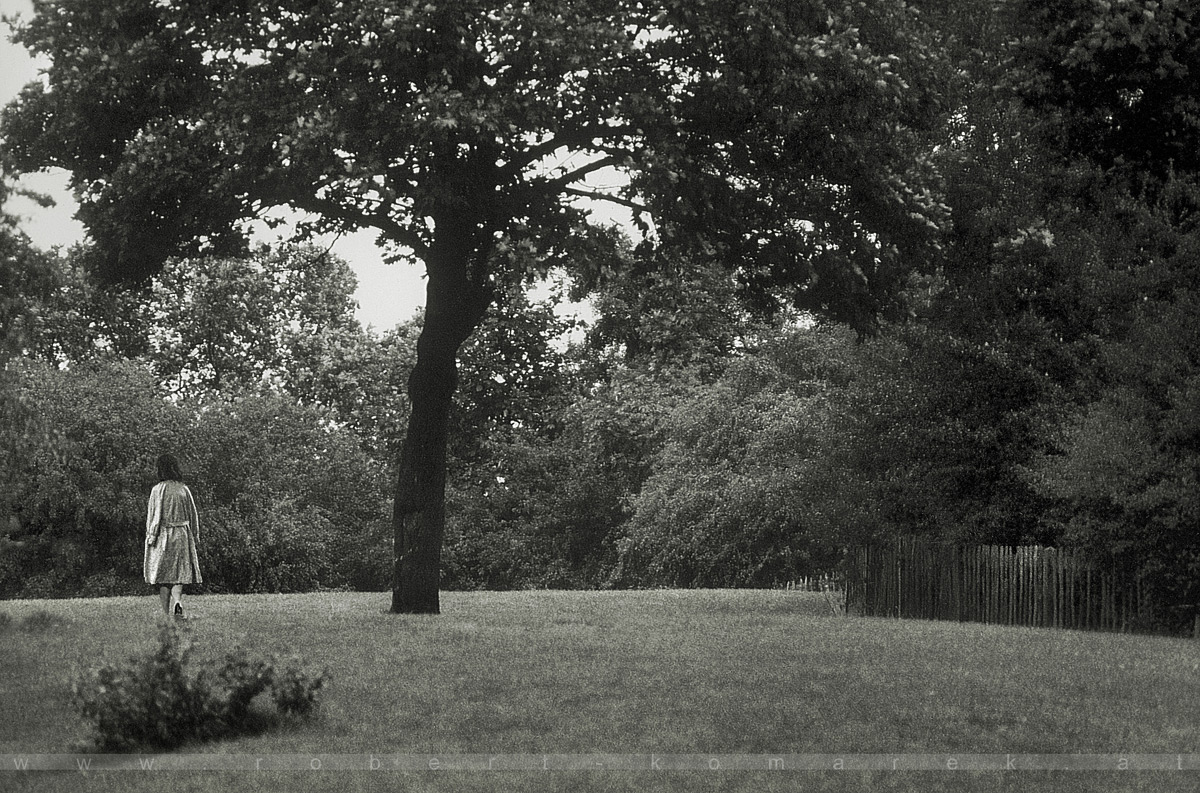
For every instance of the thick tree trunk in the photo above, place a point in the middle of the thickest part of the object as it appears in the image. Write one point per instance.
(455, 304)
(419, 513)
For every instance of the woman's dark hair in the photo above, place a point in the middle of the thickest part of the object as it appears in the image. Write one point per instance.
(168, 468)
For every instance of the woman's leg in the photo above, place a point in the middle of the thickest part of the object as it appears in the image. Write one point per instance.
(177, 594)
(164, 592)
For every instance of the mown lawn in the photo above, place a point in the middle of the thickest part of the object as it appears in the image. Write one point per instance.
(656, 672)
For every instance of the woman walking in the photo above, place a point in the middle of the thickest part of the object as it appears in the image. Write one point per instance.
(172, 532)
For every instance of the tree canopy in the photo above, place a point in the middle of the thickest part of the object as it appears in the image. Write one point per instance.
(776, 130)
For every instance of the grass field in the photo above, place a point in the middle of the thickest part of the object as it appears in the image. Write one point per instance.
(656, 672)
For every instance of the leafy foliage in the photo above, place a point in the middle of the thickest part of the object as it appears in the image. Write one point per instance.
(515, 376)
(78, 505)
(294, 691)
(231, 323)
(1115, 80)
(656, 313)
(1122, 463)
(735, 494)
(27, 276)
(784, 115)
(287, 501)
(291, 498)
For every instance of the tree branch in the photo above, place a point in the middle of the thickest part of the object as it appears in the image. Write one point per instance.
(378, 219)
(584, 170)
(572, 138)
(596, 196)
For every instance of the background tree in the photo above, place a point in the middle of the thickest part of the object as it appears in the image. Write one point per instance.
(78, 503)
(1121, 459)
(222, 322)
(295, 503)
(80, 320)
(1072, 183)
(27, 278)
(1113, 82)
(789, 140)
(742, 487)
(657, 314)
(516, 377)
(289, 500)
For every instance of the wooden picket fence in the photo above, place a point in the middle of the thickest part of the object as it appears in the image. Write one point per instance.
(826, 582)
(1027, 585)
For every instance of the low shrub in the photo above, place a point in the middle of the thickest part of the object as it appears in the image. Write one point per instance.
(294, 692)
(160, 702)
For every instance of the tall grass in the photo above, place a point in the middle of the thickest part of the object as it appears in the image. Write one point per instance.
(736, 672)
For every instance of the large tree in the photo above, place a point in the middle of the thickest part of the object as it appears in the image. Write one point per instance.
(782, 138)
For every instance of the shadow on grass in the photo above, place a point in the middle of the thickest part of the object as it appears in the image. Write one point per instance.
(40, 621)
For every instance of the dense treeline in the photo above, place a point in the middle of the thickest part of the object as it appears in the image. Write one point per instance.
(1041, 384)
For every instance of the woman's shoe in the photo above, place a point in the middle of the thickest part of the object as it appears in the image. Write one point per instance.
(179, 611)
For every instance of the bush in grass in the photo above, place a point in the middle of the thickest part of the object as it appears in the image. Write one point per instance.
(294, 692)
(158, 702)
